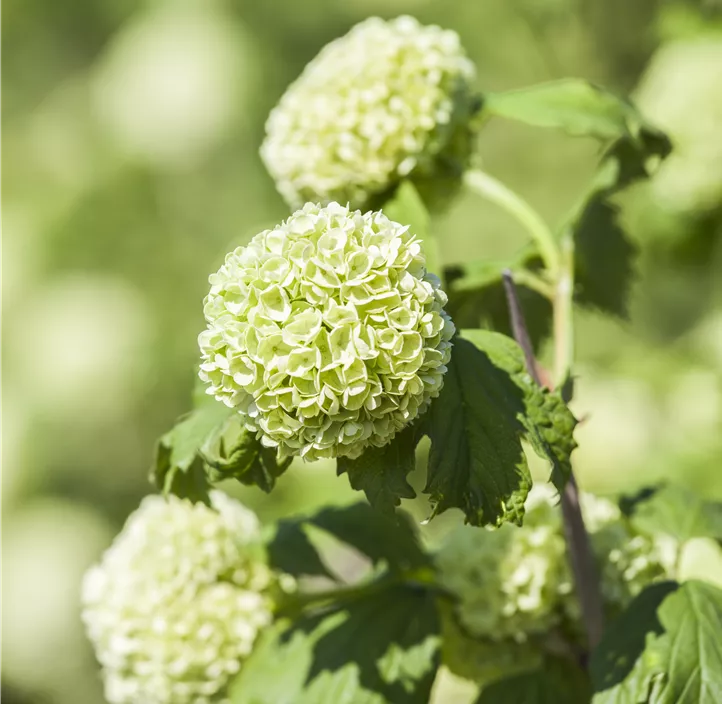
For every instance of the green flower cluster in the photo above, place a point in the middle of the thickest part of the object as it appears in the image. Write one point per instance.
(326, 333)
(387, 100)
(508, 581)
(176, 603)
(513, 583)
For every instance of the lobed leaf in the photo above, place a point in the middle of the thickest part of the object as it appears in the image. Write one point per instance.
(548, 422)
(573, 105)
(476, 462)
(665, 648)
(616, 666)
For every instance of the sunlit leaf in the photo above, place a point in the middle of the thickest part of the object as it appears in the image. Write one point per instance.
(665, 648)
(389, 539)
(178, 468)
(382, 648)
(573, 105)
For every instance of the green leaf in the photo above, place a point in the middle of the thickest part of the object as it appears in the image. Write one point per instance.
(617, 668)
(679, 512)
(573, 105)
(476, 462)
(233, 452)
(177, 468)
(558, 681)
(391, 539)
(686, 660)
(291, 551)
(407, 207)
(382, 648)
(381, 472)
(664, 649)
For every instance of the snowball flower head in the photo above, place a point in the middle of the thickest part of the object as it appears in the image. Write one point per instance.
(176, 603)
(508, 581)
(389, 99)
(326, 332)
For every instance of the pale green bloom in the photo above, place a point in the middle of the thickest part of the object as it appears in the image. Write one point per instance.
(326, 333)
(508, 581)
(628, 561)
(176, 603)
(516, 582)
(388, 100)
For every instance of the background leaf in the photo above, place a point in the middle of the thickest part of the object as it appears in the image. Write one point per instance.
(390, 539)
(381, 472)
(679, 512)
(573, 105)
(617, 669)
(665, 648)
(382, 649)
(407, 207)
(604, 254)
(557, 681)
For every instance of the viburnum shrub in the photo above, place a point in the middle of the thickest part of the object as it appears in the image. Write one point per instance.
(337, 335)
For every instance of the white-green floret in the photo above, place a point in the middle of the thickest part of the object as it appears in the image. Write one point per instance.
(508, 581)
(513, 583)
(385, 101)
(326, 333)
(176, 603)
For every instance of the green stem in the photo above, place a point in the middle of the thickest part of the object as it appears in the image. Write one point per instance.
(488, 187)
(563, 304)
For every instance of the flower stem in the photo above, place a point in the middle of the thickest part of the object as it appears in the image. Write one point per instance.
(488, 187)
(581, 557)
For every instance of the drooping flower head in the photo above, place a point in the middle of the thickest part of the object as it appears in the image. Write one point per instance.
(517, 582)
(176, 603)
(326, 332)
(388, 100)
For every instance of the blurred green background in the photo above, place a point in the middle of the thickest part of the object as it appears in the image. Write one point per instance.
(131, 133)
